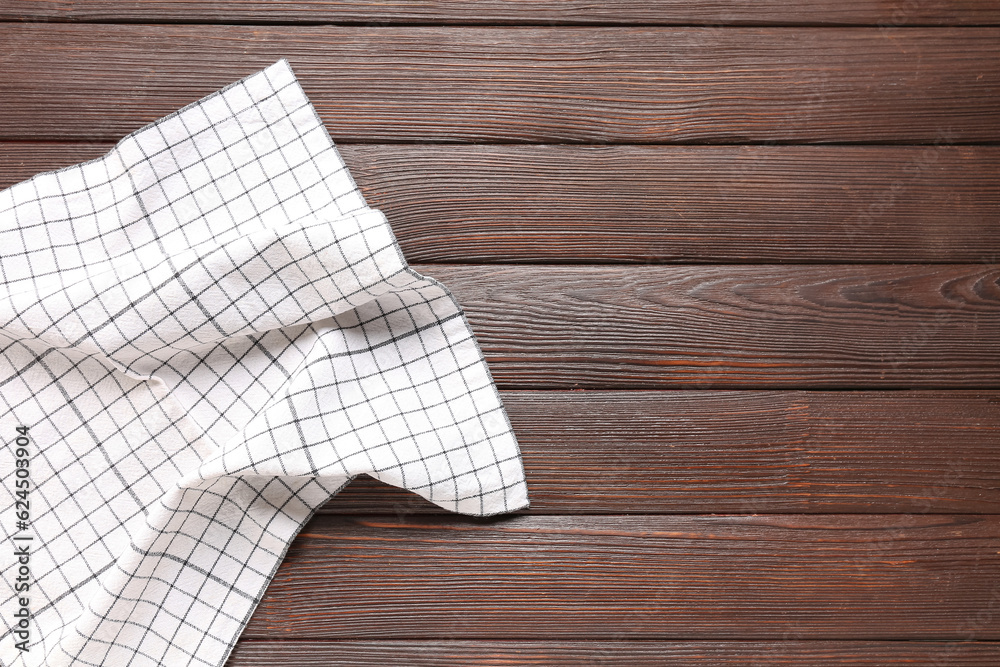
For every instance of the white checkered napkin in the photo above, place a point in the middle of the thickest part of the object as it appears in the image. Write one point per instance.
(207, 333)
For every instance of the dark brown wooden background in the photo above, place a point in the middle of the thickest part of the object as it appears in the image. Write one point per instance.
(735, 266)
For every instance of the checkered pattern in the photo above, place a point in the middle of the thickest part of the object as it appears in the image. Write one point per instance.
(209, 333)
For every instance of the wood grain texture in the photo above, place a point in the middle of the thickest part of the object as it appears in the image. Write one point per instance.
(791, 653)
(742, 451)
(635, 85)
(655, 204)
(545, 12)
(661, 204)
(862, 327)
(700, 577)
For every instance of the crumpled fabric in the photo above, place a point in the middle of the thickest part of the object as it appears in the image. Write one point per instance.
(204, 335)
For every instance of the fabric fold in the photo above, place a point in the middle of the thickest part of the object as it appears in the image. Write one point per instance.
(139, 310)
(205, 334)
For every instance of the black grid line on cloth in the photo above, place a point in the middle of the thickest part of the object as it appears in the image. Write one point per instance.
(209, 334)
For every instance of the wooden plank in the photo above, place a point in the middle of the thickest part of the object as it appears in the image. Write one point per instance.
(636, 85)
(794, 327)
(742, 451)
(544, 12)
(653, 204)
(793, 653)
(751, 577)
(661, 204)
